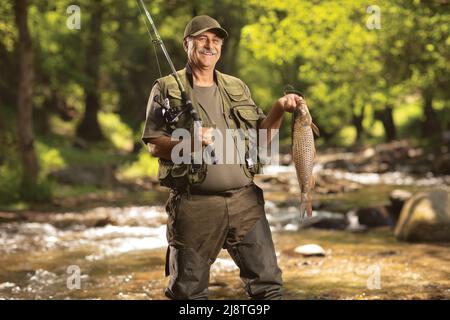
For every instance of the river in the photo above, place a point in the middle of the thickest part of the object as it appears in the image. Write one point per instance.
(118, 252)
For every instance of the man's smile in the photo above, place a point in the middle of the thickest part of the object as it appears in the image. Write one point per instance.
(207, 52)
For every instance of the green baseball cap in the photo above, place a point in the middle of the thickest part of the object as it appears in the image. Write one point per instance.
(201, 24)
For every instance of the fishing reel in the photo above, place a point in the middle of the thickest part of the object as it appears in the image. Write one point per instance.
(169, 114)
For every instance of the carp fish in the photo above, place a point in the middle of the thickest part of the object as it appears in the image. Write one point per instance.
(303, 154)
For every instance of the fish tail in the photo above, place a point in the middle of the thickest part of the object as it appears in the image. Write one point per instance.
(302, 210)
(305, 206)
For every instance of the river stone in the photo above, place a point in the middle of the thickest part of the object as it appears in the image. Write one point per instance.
(325, 220)
(309, 250)
(374, 217)
(398, 197)
(442, 164)
(353, 222)
(425, 217)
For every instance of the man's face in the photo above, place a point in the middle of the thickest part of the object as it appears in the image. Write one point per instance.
(204, 50)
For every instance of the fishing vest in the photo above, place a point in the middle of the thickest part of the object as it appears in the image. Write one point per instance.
(240, 113)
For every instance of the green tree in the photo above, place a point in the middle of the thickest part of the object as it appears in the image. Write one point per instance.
(89, 128)
(25, 94)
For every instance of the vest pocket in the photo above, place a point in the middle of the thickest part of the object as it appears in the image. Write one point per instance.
(247, 115)
(174, 96)
(179, 170)
(167, 169)
(236, 93)
(164, 168)
(242, 108)
(179, 175)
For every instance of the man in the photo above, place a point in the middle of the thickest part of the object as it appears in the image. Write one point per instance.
(213, 206)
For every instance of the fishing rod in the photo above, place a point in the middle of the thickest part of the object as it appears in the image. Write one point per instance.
(171, 115)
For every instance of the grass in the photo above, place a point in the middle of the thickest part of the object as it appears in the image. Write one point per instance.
(96, 154)
(144, 166)
(65, 191)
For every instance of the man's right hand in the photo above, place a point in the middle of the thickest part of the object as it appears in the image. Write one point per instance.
(161, 147)
(205, 135)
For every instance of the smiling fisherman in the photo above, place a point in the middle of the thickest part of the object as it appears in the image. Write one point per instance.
(212, 206)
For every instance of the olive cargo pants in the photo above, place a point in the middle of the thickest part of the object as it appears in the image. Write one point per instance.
(199, 226)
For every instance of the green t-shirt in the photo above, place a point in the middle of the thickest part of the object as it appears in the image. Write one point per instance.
(220, 176)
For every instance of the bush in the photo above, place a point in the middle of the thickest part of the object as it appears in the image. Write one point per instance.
(12, 187)
(120, 135)
(50, 159)
(10, 176)
(144, 166)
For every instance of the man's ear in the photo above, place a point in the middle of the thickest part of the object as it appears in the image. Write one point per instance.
(185, 45)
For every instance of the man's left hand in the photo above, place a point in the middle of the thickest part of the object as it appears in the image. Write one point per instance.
(289, 102)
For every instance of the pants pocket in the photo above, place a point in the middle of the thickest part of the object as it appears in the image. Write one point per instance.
(172, 206)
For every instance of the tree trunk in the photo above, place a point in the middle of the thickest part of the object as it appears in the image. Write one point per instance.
(25, 94)
(2, 138)
(233, 23)
(431, 126)
(386, 117)
(89, 128)
(357, 123)
(195, 7)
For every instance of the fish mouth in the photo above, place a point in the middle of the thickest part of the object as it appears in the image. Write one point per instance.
(300, 114)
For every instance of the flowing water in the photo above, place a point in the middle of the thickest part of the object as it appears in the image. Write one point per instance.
(118, 253)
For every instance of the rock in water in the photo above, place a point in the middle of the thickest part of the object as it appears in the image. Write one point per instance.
(309, 250)
(425, 217)
(398, 197)
(374, 217)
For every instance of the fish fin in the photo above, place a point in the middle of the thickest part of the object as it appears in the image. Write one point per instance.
(315, 129)
(312, 182)
(305, 206)
(309, 208)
